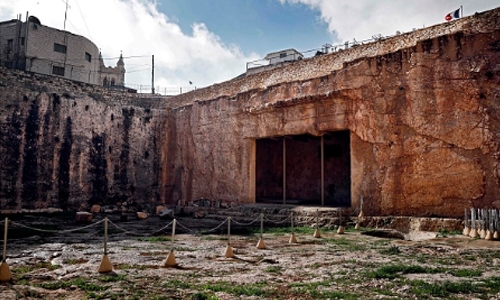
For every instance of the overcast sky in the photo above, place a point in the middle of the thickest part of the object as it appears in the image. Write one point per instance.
(210, 41)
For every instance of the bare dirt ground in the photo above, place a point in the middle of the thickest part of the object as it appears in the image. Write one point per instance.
(353, 265)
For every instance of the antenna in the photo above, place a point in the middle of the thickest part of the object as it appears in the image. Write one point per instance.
(152, 74)
(65, 15)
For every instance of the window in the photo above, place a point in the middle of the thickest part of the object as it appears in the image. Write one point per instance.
(58, 70)
(59, 48)
(282, 55)
(10, 45)
(22, 41)
(88, 57)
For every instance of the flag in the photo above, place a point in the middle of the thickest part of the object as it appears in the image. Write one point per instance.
(453, 15)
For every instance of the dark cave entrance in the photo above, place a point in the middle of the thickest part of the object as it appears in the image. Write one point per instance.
(304, 169)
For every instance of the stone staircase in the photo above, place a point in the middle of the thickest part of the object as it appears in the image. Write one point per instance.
(279, 215)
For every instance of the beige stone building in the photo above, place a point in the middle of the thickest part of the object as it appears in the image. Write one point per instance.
(36, 48)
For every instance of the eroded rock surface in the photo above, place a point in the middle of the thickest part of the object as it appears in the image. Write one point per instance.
(421, 110)
(421, 113)
(71, 145)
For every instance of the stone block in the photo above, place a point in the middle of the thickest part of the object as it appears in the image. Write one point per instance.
(167, 214)
(95, 209)
(159, 209)
(142, 215)
(83, 217)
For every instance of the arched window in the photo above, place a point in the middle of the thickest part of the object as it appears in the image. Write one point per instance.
(105, 81)
(112, 81)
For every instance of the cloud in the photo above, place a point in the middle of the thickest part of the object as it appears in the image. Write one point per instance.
(139, 30)
(362, 19)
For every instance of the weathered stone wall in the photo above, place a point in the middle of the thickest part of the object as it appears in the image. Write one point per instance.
(69, 145)
(422, 109)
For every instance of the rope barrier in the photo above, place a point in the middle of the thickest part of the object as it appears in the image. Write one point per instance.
(132, 232)
(204, 230)
(184, 227)
(216, 227)
(246, 224)
(163, 228)
(56, 231)
(277, 222)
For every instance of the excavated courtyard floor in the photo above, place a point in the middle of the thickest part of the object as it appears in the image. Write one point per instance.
(62, 264)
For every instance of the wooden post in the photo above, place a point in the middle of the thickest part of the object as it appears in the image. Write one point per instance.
(293, 239)
(322, 146)
(5, 273)
(171, 262)
(260, 243)
(229, 250)
(317, 234)
(106, 265)
(5, 231)
(284, 170)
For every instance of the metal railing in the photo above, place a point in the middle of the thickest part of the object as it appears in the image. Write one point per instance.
(158, 90)
(325, 49)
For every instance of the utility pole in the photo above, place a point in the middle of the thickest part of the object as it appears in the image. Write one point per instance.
(152, 74)
(65, 37)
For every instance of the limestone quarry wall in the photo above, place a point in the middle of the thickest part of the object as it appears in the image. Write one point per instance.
(422, 110)
(69, 145)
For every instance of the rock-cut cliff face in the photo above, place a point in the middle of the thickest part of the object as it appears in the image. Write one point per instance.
(70, 145)
(409, 124)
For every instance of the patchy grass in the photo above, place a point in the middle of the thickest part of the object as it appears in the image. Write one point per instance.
(273, 269)
(465, 272)
(18, 272)
(280, 231)
(443, 232)
(203, 296)
(347, 244)
(76, 261)
(113, 278)
(395, 271)
(392, 250)
(423, 289)
(320, 290)
(177, 284)
(254, 289)
(130, 267)
(156, 239)
(82, 283)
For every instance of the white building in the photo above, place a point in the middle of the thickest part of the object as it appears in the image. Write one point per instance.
(283, 56)
(32, 47)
